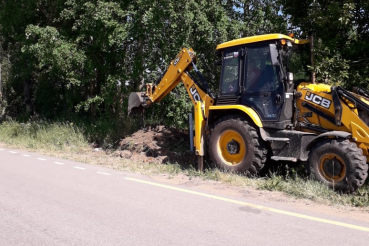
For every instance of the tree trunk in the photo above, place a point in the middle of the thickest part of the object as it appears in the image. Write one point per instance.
(92, 95)
(27, 96)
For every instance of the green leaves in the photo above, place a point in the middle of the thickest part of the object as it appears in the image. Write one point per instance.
(53, 53)
(65, 56)
(85, 105)
(92, 54)
(340, 28)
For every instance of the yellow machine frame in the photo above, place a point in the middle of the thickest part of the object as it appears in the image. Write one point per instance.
(317, 105)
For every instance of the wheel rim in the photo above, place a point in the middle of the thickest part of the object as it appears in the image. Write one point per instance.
(231, 147)
(332, 167)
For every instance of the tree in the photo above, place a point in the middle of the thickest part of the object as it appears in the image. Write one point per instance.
(342, 37)
(85, 57)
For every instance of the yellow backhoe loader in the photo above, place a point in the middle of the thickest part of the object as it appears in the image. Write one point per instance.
(269, 106)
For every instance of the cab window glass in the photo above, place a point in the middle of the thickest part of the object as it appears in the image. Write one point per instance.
(229, 82)
(261, 74)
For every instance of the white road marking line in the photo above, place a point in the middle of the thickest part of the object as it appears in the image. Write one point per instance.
(58, 163)
(103, 173)
(41, 159)
(80, 168)
(274, 210)
(26, 155)
(13, 152)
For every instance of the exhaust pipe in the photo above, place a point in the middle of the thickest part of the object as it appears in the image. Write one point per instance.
(312, 58)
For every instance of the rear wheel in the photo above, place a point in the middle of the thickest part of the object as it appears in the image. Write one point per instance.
(235, 146)
(338, 163)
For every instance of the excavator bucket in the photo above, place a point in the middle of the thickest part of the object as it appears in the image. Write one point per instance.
(135, 102)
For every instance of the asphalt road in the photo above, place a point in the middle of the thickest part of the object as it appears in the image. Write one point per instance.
(48, 201)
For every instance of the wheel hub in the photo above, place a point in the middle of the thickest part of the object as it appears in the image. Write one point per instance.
(332, 167)
(233, 147)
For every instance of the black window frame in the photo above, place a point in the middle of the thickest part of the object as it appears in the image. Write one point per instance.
(240, 71)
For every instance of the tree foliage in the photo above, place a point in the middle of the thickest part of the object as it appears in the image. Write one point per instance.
(342, 37)
(65, 58)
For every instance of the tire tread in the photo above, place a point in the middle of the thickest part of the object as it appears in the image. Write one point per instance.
(358, 170)
(260, 151)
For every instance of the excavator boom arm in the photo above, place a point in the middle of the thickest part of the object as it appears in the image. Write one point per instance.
(172, 77)
(178, 71)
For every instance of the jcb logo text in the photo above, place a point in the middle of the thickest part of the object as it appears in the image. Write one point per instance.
(318, 100)
(195, 95)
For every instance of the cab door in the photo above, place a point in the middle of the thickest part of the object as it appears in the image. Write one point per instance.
(263, 86)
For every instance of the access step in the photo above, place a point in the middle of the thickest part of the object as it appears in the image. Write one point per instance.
(277, 139)
(282, 158)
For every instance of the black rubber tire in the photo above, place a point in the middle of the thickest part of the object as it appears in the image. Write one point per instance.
(256, 151)
(353, 160)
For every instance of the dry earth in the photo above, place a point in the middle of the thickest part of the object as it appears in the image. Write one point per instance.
(158, 145)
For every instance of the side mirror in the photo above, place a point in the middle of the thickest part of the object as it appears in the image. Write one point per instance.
(290, 78)
(274, 54)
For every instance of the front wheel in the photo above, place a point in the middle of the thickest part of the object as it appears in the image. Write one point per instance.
(338, 163)
(235, 146)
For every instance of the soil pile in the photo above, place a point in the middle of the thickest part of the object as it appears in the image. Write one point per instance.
(158, 144)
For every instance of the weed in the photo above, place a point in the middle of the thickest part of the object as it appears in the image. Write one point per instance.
(272, 183)
(42, 135)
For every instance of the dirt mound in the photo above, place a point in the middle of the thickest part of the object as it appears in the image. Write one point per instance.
(158, 144)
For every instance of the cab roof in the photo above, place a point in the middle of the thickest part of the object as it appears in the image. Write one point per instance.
(259, 38)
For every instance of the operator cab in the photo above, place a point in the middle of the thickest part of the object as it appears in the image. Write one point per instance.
(255, 74)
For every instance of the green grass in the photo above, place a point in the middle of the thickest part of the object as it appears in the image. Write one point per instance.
(300, 187)
(43, 135)
(67, 140)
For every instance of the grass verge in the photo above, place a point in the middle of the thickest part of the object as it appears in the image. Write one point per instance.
(43, 135)
(68, 141)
